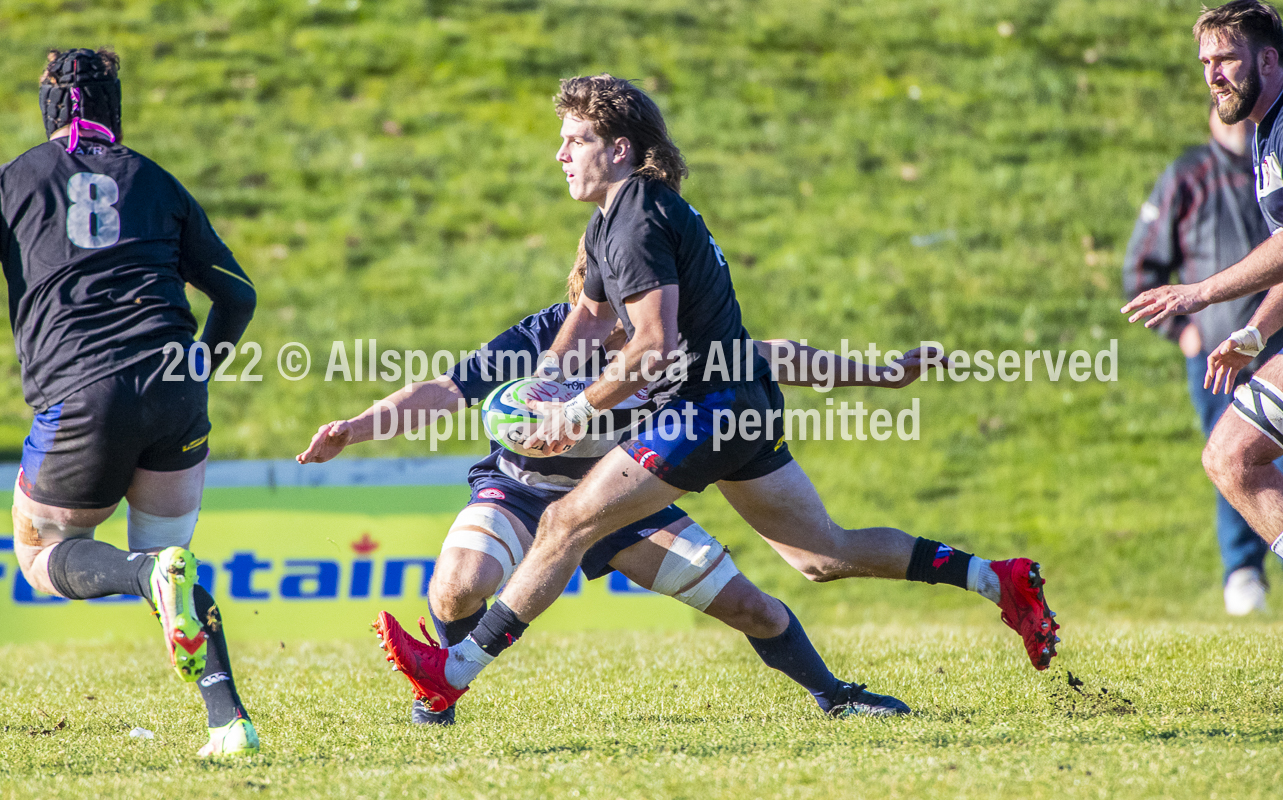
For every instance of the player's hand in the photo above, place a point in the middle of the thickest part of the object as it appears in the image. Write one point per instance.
(1222, 365)
(911, 363)
(553, 435)
(1165, 302)
(329, 441)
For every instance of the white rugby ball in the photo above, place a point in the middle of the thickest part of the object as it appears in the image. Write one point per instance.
(508, 418)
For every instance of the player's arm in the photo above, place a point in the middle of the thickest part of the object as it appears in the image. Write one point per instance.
(442, 394)
(206, 263)
(233, 301)
(1235, 353)
(1260, 269)
(791, 360)
(586, 327)
(641, 361)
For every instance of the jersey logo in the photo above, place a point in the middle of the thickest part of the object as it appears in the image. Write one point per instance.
(490, 494)
(1269, 178)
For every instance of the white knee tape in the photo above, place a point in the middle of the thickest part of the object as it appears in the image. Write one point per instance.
(503, 546)
(689, 557)
(702, 593)
(150, 532)
(1260, 403)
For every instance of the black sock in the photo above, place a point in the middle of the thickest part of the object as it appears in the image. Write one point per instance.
(216, 685)
(83, 568)
(793, 654)
(498, 629)
(451, 632)
(933, 562)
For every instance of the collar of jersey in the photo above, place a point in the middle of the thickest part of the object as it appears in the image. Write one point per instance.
(1267, 124)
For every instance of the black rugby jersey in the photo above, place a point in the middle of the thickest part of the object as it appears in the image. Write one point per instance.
(651, 237)
(96, 247)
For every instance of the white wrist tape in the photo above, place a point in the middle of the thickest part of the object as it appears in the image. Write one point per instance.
(549, 368)
(1248, 341)
(578, 412)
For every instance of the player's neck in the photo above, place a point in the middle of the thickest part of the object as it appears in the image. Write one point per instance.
(617, 182)
(1269, 94)
(65, 131)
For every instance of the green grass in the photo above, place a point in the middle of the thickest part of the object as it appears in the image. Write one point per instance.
(384, 169)
(1165, 711)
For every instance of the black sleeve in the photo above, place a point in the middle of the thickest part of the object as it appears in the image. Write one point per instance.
(593, 287)
(644, 253)
(511, 355)
(206, 263)
(1154, 252)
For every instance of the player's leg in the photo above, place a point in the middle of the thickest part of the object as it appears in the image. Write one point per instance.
(1239, 456)
(1242, 551)
(76, 467)
(614, 494)
(784, 508)
(484, 545)
(683, 561)
(162, 514)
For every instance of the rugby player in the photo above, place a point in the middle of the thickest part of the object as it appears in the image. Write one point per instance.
(97, 243)
(654, 267)
(666, 552)
(1239, 44)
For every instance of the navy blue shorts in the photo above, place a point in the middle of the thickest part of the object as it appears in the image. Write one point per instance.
(528, 504)
(82, 452)
(678, 445)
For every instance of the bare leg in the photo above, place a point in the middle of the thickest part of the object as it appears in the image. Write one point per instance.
(33, 547)
(1240, 461)
(739, 604)
(463, 579)
(615, 493)
(786, 511)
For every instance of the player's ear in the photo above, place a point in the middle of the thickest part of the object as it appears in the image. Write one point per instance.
(621, 152)
(1267, 60)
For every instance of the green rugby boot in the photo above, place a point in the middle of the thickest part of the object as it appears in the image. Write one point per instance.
(172, 579)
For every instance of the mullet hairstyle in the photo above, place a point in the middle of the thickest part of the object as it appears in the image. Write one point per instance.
(619, 110)
(575, 280)
(1249, 21)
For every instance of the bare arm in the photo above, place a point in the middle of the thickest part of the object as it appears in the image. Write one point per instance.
(647, 353)
(1225, 362)
(1261, 269)
(587, 322)
(330, 439)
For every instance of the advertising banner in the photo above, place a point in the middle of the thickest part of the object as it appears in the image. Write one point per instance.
(288, 560)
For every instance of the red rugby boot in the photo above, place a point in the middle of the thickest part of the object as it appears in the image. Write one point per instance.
(1025, 610)
(423, 664)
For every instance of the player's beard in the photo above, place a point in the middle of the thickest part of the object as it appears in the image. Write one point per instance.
(1242, 99)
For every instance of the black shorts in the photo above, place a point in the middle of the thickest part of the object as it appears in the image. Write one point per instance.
(82, 452)
(689, 444)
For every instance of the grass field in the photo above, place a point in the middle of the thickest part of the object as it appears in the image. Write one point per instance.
(1164, 711)
(960, 171)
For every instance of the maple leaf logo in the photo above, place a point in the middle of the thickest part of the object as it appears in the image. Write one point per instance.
(365, 544)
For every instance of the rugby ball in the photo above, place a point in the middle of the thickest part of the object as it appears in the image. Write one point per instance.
(507, 417)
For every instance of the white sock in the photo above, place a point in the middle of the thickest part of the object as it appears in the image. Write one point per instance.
(465, 663)
(982, 580)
